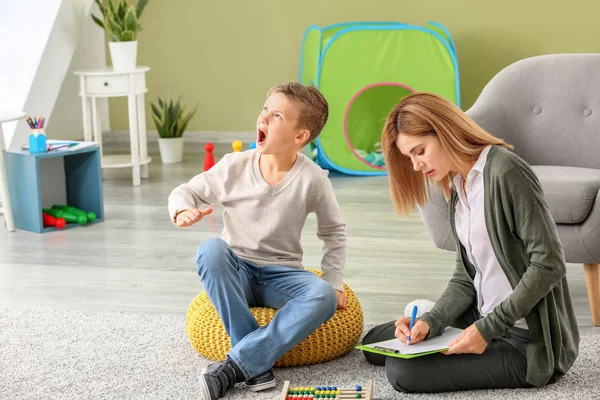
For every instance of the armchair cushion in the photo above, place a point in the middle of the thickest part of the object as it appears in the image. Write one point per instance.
(570, 191)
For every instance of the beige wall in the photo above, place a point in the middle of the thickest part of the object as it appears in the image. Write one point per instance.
(225, 55)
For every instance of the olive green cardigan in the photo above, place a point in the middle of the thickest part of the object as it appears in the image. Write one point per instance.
(526, 244)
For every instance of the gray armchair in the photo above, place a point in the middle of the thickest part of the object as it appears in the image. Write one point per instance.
(548, 108)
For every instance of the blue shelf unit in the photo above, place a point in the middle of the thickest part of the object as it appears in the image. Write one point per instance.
(36, 181)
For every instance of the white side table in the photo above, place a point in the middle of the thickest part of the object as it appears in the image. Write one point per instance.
(6, 209)
(106, 82)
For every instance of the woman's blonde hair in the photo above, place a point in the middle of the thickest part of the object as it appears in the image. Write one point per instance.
(423, 114)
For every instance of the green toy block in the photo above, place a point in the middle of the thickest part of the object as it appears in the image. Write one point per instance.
(91, 217)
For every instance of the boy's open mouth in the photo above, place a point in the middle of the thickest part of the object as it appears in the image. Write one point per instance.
(261, 137)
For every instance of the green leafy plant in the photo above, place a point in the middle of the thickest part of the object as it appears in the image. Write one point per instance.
(170, 118)
(120, 21)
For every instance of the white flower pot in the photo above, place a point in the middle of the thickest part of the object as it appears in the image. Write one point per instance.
(123, 55)
(171, 150)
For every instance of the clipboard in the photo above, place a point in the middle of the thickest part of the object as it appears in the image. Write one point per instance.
(395, 348)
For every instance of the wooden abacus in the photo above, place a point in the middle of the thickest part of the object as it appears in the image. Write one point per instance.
(326, 392)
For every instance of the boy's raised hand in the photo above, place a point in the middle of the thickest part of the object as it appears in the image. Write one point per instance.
(189, 217)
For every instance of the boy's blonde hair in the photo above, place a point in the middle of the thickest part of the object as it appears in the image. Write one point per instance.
(423, 114)
(314, 109)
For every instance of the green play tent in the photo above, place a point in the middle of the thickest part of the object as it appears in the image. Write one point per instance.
(363, 69)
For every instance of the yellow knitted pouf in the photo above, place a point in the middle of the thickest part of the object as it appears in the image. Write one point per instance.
(331, 340)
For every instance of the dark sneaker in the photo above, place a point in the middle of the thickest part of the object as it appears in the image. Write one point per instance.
(216, 379)
(261, 382)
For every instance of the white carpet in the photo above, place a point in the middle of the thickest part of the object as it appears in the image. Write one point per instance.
(94, 355)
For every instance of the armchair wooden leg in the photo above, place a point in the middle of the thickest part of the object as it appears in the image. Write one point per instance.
(592, 279)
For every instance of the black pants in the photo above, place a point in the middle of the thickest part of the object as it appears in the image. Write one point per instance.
(502, 364)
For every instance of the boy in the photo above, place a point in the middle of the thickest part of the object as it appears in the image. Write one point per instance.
(266, 195)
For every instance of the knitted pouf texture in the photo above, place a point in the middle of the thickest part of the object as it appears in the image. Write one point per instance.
(331, 340)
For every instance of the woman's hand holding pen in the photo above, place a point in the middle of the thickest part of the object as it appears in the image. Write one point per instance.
(419, 331)
(189, 217)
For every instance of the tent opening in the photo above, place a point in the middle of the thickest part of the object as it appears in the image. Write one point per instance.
(365, 118)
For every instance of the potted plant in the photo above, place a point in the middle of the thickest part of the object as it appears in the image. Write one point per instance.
(121, 24)
(170, 120)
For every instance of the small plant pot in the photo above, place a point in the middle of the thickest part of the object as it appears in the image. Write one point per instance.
(171, 150)
(123, 55)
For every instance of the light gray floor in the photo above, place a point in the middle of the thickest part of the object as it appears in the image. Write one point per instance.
(138, 261)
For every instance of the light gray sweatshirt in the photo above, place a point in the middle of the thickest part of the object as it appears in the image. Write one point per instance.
(263, 223)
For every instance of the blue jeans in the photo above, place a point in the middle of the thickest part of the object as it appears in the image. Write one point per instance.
(304, 302)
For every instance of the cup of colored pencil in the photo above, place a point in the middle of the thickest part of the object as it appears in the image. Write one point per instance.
(37, 138)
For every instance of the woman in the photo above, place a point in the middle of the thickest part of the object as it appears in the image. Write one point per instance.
(508, 291)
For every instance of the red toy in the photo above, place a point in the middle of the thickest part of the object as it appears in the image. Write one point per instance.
(49, 220)
(209, 159)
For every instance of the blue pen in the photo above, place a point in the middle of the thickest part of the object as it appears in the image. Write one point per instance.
(412, 323)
